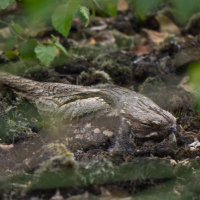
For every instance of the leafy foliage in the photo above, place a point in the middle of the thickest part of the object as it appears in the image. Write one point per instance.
(61, 13)
(184, 9)
(109, 7)
(143, 8)
(5, 3)
(39, 11)
(63, 16)
(84, 14)
(45, 53)
(194, 74)
(26, 49)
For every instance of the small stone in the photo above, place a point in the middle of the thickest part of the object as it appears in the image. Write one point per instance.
(6, 147)
(79, 136)
(173, 162)
(108, 133)
(88, 125)
(57, 196)
(97, 131)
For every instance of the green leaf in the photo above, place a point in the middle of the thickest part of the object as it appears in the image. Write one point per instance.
(45, 53)
(63, 16)
(108, 7)
(11, 55)
(58, 45)
(39, 11)
(10, 43)
(26, 49)
(5, 3)
(183, 9)
(194, 74)
(144, 7)
(61, 48)
(17, 28)
(84, 14)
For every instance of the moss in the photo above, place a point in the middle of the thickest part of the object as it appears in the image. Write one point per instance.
(19, 119)
(117, 65)
(94, 77)
(56, 167)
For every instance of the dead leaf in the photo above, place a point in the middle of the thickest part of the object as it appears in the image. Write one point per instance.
(92, 41)
(167, 25)
(185, 84)
(142, 50)
(5, 32)
(157, 37)
(104, 38)
(122, 5)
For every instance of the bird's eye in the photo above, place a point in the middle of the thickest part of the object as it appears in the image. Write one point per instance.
(172, 129)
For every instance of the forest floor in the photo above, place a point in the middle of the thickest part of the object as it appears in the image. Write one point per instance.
(150, 57)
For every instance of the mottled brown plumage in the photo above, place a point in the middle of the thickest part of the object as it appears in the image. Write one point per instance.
(131, 111)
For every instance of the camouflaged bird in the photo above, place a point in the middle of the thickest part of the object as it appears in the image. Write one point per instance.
(106, 116)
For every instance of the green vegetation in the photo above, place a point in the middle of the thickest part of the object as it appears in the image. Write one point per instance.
(194, 74)
(38, 34)
(22, 42)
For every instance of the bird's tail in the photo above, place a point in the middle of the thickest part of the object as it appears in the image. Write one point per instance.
(20, 84)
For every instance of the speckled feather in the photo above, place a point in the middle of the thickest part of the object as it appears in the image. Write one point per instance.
(72, 102)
